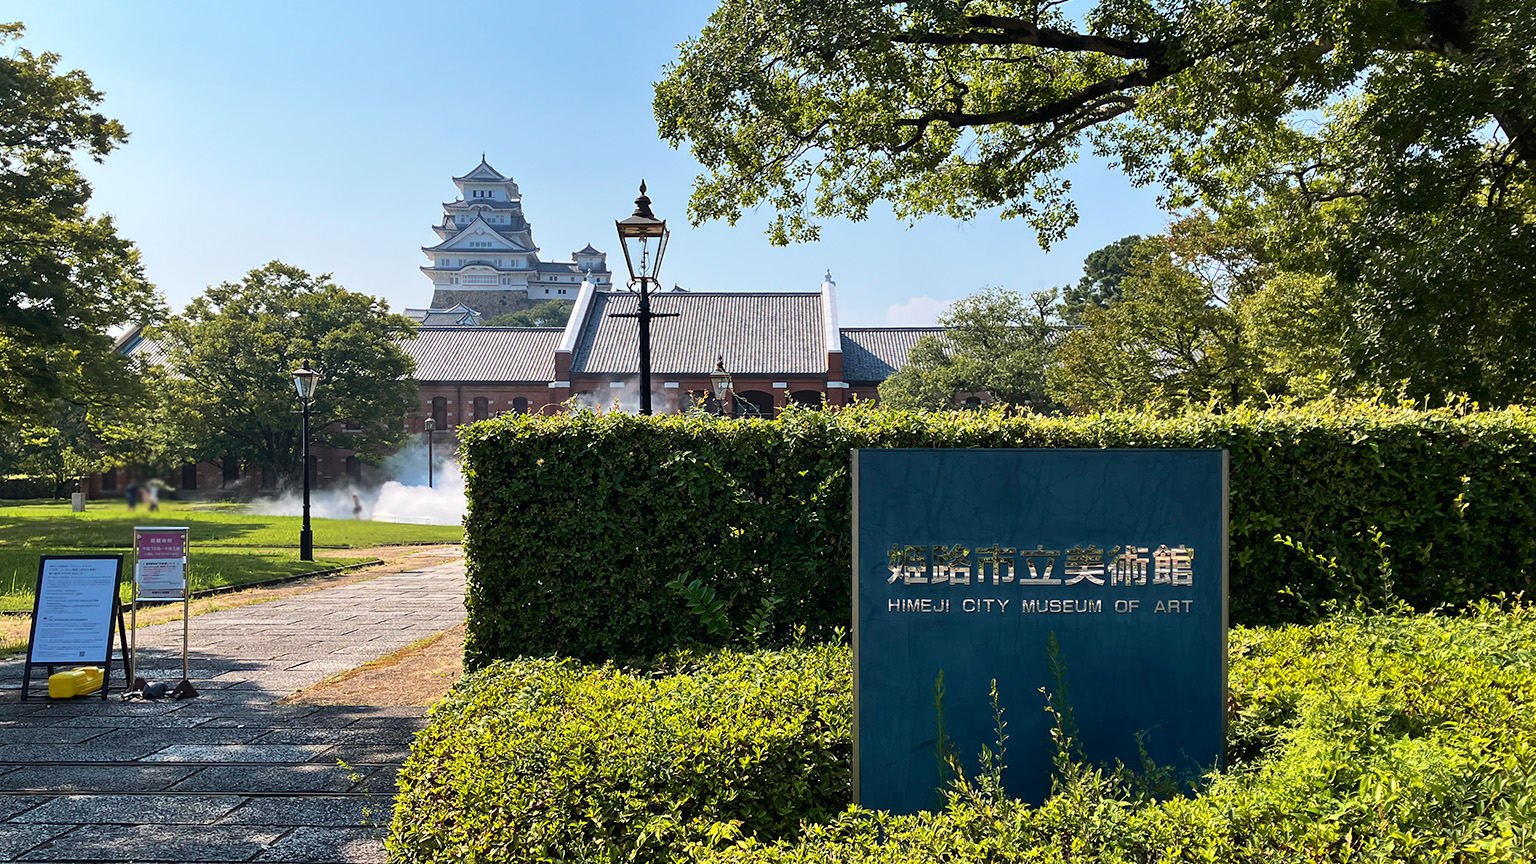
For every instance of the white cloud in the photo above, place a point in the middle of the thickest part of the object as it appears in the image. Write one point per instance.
(921, 311)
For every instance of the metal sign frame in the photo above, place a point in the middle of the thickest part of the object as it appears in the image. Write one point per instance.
(185, 688)
(115, 614)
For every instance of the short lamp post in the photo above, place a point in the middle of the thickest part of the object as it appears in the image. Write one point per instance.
(431, 427)
(306, 379)
(644, 238)
(720, 380)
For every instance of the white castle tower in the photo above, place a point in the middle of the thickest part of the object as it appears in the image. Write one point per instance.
(486, 245)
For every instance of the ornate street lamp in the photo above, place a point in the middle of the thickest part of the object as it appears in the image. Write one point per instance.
(431, 427)
(644, 238)
(306, 380)
(720, 380)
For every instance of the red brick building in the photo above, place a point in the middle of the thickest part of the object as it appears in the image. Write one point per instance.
(779, 347)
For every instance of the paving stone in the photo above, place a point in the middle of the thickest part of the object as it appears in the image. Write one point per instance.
(148, 722)
(51, 734)
(15, 805)
(132, 777)
(341, 812)
(217, 753)
(364, 754)
(17, 839)
(159, 738)
(385, 781)
(87, 752)
(157, 843)
(94, 706)
(385, 735)
(360, 845)
(309, 777)
(133, 810)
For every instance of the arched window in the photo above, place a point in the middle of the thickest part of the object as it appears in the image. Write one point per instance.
(482, 408)
(189, 476)
(440, 411)
(808, 398)
(754, 403)
(520, 405)
(973, 401)
(354, 468)
(231, 468)
(109, 480)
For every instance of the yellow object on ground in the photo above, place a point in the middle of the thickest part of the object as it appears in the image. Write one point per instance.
(75, 682)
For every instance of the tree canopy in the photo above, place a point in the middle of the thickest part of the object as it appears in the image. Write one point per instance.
(234, 349)
(820, 108)
(996, 345)
(66, 277)
(550, 313)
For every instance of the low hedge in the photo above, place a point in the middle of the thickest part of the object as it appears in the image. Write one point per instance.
(551, 760)
(1365, 738)
(578, 524)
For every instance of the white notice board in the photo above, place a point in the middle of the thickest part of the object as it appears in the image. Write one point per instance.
(72, 618)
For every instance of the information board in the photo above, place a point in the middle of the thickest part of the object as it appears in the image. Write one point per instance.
(973, 564)
(73, 612)
(160, 563)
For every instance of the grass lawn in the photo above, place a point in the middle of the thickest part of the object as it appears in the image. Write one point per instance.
(229, 547)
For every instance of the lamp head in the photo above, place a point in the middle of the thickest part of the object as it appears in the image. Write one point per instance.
(720, 379)
(306, 379)
(644, 238)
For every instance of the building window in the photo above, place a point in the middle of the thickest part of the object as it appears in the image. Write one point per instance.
(482, 408)
(354, 468)
(109, 480)
(231, 468)
(440, 411)
(189, 476)
(520, 405)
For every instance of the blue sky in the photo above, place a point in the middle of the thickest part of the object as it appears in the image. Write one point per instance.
(324, 134)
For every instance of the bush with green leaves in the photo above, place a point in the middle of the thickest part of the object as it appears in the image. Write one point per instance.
(1367, 738)
(578, 524)
(553, 760)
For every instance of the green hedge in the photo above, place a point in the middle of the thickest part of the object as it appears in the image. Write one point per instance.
(550, 760)
(1363, 739)
(578, 523)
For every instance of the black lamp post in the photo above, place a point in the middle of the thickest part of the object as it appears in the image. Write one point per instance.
(645, 242)
(306, 380)
(720, 380)
(431, 427)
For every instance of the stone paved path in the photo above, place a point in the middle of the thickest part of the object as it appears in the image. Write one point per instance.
(228, 776)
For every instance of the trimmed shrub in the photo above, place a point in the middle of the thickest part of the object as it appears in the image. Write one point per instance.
(578, 524)
(551, 760)
(1362, 738)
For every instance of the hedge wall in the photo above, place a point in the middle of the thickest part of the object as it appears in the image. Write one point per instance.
(577, 524)
(549, 760)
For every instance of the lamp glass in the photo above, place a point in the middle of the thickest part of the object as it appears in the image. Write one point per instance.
(644, 246)
(431, 424)
(721, 381)
(305, 380)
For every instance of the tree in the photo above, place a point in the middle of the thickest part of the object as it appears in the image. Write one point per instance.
(550, 313)
(1175, 338)
(235, 347)
(996, 342)
(1099, 287)
(66, 278)
(822, 107)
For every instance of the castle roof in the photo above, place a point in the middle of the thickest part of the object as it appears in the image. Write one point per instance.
(482, 173)
(588, 251)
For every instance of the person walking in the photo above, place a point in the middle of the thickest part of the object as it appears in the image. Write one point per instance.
(133, 495)
(154, 497)
(357, 506)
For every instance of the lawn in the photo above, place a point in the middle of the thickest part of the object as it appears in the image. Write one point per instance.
(229, 547)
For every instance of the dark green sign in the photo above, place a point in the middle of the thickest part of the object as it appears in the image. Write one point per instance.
(972, 563)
